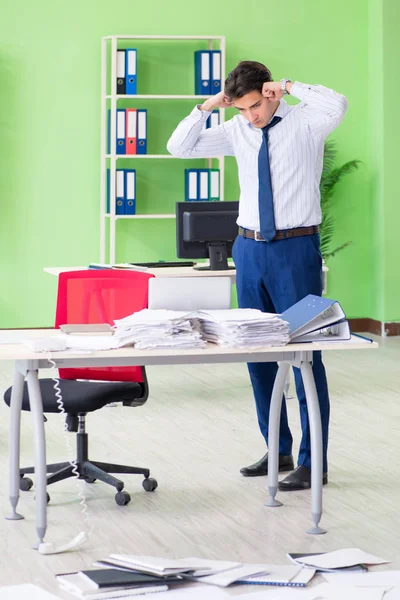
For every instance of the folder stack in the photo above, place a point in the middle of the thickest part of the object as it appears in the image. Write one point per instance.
(125, 191)
(202, 184)
(207, 68)
(131, 131)
(127, 71)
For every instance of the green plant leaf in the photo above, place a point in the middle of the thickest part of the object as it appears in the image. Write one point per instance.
(330, 177)
(333, 252)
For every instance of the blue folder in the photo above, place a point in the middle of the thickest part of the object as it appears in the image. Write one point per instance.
(312, 313)
(202, 70)
(191, 185)
(141, 131)
(215, 71)
(120, 192)
(131, 71)
(130, 191)
(120, 131)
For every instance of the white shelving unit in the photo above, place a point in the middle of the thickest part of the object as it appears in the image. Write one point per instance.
(109, 46)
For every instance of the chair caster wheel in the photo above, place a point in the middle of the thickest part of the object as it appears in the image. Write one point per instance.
(150, 484)
(122, 498)
(90, 479)
(47, 497)
(25, 484)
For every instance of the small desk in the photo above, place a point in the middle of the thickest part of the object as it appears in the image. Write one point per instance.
(27, 364)
(159, 272)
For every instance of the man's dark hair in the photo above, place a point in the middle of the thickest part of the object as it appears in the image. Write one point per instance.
(245, 78)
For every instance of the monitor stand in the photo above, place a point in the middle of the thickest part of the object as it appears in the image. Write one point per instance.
(218, 258)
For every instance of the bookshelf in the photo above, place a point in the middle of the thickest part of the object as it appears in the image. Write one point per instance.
(111, 100)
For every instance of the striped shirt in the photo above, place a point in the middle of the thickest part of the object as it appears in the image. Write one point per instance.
(296, 150)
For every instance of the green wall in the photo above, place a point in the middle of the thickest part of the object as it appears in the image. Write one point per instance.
(49, 132)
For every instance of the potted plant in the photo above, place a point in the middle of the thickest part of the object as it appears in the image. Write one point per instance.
(329, 178)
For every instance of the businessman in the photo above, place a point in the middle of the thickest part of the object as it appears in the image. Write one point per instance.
(279, 152)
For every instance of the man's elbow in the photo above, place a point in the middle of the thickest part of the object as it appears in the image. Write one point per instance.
(176, 150)
(173, 148)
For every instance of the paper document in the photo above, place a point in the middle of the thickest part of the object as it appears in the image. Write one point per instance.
(25, 591)
(231, 575)
(378, 579)
(346, 557)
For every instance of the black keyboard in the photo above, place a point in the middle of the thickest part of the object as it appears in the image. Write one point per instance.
(152, 265)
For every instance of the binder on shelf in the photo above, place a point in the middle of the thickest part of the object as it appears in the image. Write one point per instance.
(202, 70)
(142, 131)
(121, 79)
(130, 191)
(191, 185)
(215, 71)
(204, 177)
(131, 71)
(120, 192)
(131, 129)
(121, 139)
(214, 185)
(312, 313)
(213, 119)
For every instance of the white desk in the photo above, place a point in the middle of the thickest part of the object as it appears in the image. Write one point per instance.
(27, 364)
(159, 272)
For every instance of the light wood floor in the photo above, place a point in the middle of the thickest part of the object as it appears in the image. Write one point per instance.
(194, 433)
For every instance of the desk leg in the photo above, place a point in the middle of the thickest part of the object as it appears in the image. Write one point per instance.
(273, 433)
(14, 441)
(314, 416)
(36, 405)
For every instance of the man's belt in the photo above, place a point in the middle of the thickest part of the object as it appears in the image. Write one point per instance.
(283, 234)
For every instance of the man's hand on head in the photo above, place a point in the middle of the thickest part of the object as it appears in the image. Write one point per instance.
(272, 90)
(220, 100)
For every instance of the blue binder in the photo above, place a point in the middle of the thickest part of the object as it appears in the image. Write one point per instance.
(131, 71)
(120, 130)
(312, 313)
(191, 185)
(215, 71)
(130, 191)
(204, 184)
(213, 120)
(202, 70)
(141, 131)
(120, 192)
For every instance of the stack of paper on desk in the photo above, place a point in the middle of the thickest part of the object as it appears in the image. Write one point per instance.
(212, 572)
(243, 328)
(157, 329)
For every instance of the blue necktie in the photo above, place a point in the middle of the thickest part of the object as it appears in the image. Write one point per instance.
(265, 199)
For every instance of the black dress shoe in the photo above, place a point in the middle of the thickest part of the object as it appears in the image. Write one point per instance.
(261, 467)
(300, 479)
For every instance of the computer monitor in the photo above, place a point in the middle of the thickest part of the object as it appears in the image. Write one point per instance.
(206, 230)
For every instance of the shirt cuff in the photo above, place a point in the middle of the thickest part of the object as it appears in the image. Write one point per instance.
(300, 90)
(203, 113)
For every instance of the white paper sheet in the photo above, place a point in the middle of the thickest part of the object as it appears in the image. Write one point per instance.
(377, 579)
(25, 591)
(346, 557)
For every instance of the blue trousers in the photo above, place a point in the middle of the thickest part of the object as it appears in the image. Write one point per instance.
(271, 276)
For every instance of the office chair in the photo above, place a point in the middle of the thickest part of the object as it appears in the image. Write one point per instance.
(94, 297)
